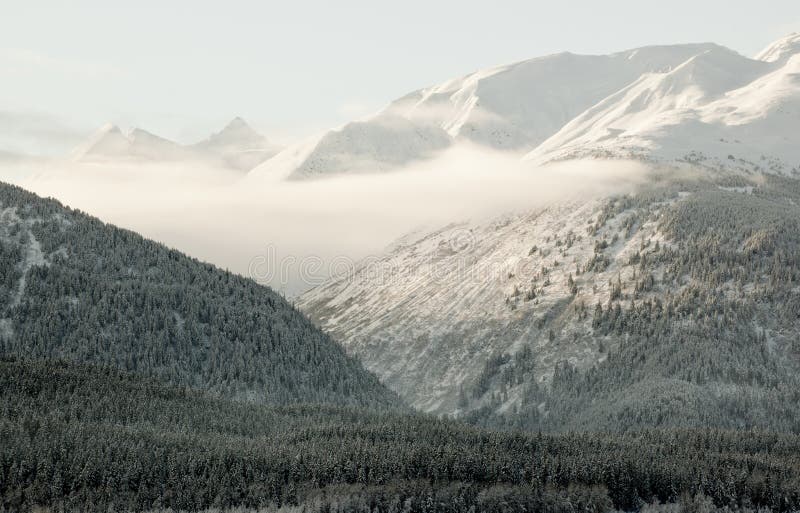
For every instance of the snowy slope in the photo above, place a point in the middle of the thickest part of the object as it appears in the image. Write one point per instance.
(378, 144)
(520, 105)
(781, 50)
(469, 316)
(428, 314)
(718, 108)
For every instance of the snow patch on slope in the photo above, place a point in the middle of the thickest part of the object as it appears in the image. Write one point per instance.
(32, 256)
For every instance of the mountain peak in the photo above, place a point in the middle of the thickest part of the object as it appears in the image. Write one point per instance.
(237, 123)
(237, 131)
(106, 141)
(236, 135)
(239, 144)
(782, 49)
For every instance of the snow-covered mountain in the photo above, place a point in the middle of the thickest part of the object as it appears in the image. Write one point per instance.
(717, 107)
(237, 146)
(518, 106)
(380, 143)
(697, 101)
(109, 143)
(507, 108)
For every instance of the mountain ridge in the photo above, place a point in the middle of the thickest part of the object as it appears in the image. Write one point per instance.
(731, 122)
(237, 146)
(529, 108)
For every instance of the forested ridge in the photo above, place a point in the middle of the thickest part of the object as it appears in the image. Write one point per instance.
(699, 328)
(87, 438)
(74, 288)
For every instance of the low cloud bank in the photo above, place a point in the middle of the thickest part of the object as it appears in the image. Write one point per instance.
(290, 234)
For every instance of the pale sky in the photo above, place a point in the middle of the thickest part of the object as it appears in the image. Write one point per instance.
(182, 68)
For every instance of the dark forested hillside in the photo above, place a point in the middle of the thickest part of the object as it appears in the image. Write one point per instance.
(74, 288)
(84, 438)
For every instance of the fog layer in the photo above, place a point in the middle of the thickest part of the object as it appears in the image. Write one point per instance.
(287, 234)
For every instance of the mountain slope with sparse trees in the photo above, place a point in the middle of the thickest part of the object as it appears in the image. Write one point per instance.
(674, 305)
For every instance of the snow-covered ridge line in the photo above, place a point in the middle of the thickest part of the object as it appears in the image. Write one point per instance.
(719, 104)
(664, 101)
